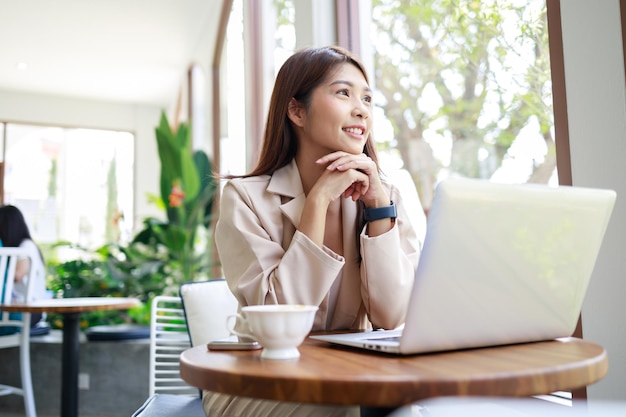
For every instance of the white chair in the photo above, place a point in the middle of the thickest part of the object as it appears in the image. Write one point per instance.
(169, 395)
(13, 332)
(199, 315)
(207, 304)
(168, 339)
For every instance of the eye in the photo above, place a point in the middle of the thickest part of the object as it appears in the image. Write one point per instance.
(367, 99)
(344, 92)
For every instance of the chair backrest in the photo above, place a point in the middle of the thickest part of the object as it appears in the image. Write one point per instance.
(10, 325)
(168, 339)
(207, 304)
(197, 316)
(15, 331)
(8, 263)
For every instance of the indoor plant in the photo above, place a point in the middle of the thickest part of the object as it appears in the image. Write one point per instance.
(166, 252)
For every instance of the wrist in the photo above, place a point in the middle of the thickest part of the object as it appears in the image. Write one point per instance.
(378, 202)
(383, 212)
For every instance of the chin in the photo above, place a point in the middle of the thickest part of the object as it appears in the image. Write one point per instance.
(354, 150)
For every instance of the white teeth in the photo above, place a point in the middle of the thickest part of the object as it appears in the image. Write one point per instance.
(354, 130)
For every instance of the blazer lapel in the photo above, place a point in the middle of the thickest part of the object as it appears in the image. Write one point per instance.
(286, 183)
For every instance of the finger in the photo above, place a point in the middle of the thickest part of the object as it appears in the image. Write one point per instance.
(340, 163)
(349, 192)
(354, 190)
(361, 162)
(330, 157)
(361, 187)
(353, 193)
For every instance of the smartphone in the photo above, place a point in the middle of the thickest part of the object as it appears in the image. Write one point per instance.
(233, 343)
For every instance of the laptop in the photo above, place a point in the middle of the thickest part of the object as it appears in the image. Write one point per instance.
(501, 264)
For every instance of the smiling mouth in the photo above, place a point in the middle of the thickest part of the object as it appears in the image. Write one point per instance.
(354, 130)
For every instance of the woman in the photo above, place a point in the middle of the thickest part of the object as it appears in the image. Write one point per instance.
(14, 233)
(314, 222)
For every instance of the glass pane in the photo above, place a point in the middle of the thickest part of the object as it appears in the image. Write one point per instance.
(280, 23)
(233, 141)
(71, 184)
(464, 89)
(285, 34)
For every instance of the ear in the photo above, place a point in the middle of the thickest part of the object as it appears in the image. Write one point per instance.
(296, 112)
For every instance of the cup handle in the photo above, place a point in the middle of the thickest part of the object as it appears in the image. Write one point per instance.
(230, 325)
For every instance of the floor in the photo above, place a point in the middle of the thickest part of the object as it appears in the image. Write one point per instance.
(114, 369)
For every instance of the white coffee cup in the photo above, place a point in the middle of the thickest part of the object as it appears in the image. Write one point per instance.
(279, 328)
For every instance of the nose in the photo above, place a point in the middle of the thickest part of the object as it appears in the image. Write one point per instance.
(361, 110)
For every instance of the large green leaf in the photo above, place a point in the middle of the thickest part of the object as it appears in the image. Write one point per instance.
(176, 237)
(188, 172)
(169, 156)
(203, 206)
(177, 167)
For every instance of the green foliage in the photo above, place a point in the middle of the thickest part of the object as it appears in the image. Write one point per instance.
(286, 12)
(467, 74)
(164, 253)
(90, 275)
(187, 193)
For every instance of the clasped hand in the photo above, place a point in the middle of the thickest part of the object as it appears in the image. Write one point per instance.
(353, 176)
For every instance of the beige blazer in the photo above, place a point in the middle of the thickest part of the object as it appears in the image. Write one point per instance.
(266, 260)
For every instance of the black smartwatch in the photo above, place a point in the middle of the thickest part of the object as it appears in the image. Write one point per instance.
(387, 212)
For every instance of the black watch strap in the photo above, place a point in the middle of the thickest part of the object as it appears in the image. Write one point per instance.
(387, 212)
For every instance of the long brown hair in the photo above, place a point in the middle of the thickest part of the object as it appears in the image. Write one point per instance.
(298, 77)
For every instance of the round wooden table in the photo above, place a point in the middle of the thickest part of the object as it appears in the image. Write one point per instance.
(326, 374)
(71, 309)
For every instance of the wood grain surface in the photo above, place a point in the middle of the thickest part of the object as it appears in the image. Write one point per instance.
(326, 374)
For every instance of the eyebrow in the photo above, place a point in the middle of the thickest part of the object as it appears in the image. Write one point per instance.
(349, 83)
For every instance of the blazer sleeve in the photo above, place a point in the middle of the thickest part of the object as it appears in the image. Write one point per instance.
(388, 265)
(249, 235)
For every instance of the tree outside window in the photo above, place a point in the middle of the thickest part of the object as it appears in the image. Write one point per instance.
(465, 88)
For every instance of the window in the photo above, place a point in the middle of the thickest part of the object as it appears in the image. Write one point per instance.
(233, 146)
(71, 184)
(284, 34)
(276, 19)
(464, 88)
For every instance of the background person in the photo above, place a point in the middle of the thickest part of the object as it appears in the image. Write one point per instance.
(14, 233)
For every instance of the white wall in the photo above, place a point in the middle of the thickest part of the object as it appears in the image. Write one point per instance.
(68, 112)
(596, 102)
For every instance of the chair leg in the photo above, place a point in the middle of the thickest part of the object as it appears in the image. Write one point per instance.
(27, 382)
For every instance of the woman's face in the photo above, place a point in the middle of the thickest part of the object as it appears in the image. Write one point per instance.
(339, 117)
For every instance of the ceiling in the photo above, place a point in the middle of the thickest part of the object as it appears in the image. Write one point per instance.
(134, 51)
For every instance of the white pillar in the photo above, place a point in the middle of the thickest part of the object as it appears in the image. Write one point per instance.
(315, 23)
(596, 105)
